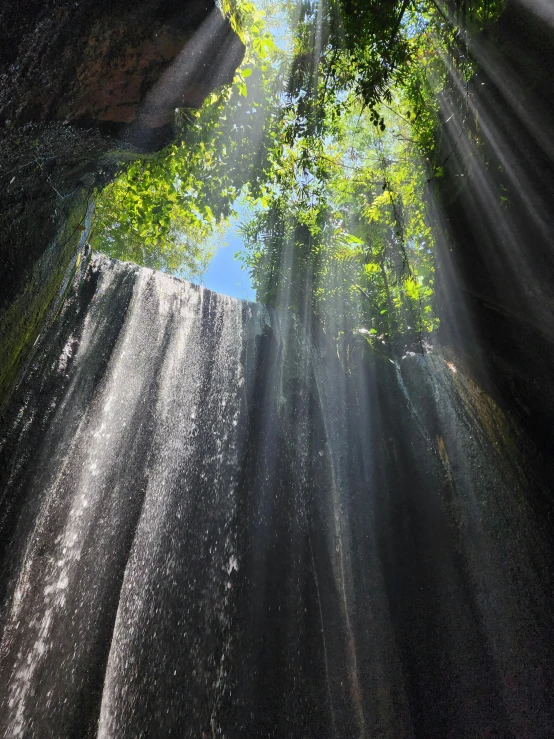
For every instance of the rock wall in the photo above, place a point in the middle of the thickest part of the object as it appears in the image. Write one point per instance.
(94, 62)
(495, 264)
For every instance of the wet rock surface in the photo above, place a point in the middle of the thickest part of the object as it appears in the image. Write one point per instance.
(495, 222)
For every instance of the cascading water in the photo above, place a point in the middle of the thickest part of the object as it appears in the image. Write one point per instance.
(210, 530)
(159, 568)
(128, 429)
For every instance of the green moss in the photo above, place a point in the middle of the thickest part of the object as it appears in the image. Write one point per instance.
(42, 298)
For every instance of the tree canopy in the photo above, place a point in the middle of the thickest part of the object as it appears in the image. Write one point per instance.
(331, 133)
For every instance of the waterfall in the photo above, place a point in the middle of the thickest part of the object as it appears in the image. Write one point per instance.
(210, 530)
(153, 549)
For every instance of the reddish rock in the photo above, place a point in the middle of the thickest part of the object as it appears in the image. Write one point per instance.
(97, 62)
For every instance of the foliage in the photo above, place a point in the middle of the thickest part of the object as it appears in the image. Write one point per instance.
(139, 217)
(345, 222)
(334, 140)
(341, 230)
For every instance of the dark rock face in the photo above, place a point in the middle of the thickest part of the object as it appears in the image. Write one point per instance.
(94, 62)
(209, 529)
(84, 87)
(495, 267)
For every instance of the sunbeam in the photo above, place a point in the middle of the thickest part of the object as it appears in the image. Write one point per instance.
(327, 513)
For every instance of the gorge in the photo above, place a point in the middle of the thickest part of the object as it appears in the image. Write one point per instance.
(232, 519)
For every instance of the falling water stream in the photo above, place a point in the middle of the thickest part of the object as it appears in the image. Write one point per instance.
(211, 531)
(147, 484)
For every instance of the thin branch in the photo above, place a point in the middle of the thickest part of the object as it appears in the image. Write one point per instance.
(396, 113)
(398, 22)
